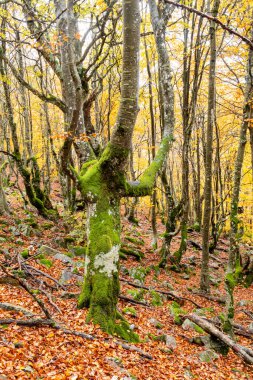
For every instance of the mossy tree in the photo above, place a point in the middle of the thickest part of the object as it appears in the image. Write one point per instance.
(103, 183)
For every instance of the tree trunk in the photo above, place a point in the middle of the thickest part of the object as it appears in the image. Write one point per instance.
(159, 23)
(204, 281)
(234, 263)
(102, 183)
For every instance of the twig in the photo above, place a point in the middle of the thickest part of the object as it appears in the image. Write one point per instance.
(248, 313)
(134, 348)
(209, 297)
(128, 299)
(42, 274)
(170, 295)
(50, 299)
(25, 286)
(211, 18)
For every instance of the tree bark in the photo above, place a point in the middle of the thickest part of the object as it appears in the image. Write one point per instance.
(204, 280)
(234, 269)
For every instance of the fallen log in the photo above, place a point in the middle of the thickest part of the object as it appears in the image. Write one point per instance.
(244, 352)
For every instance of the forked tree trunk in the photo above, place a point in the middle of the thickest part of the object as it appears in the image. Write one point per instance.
(102, 183)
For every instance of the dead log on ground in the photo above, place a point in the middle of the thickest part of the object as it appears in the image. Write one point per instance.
(244, 352)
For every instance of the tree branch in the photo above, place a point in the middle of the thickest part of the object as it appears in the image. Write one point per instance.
(214, 19)
(46, 98)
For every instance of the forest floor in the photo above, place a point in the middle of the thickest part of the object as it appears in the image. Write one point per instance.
(47, 353)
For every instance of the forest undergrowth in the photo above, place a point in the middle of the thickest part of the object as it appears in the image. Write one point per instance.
(154, 301)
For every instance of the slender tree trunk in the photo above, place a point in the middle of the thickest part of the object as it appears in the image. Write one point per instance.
(4, 208)
(234, 264)
(153, 142)
(204, 281)
(159, 22)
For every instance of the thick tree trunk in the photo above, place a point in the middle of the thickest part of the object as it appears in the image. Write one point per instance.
(102, 183)
(101, 287)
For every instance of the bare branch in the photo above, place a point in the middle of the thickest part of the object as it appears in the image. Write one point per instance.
(211, 18)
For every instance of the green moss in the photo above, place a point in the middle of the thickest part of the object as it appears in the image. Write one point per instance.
(47, 225)
(176, 312)
(78, 251)
(156, 298)
(130, 311)
(135, 240)
(19, 273)
(147, 180)
(47, 263)
(137, 294)
(183, 245)
(197, 328)
(86, 166)
(90, 182)
(230, 279)
(25, 253)
(31, 222)
(158, 338)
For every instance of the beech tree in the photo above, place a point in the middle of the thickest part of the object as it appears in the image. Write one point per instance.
(103, 183)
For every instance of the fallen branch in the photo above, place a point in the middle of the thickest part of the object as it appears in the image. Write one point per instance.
(18, 309)
(209, 297)
(128, 299)
(134, 348)
(216, 259)
(25, 286)
(28, 322)
(51, 323)
(170, 295)
(195, 244)
(132, 252)
(248, 313)
(244, 352)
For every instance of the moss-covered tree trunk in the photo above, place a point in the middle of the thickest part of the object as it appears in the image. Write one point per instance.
(101, 286)
(102, 182)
